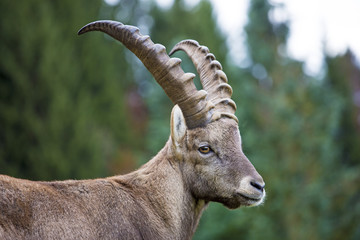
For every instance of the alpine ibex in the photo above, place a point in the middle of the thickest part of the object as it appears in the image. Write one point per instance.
(201, 162)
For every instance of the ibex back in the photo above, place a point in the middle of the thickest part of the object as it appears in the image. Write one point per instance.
(201, 162)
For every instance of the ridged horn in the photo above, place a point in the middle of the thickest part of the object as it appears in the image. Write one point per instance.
(179, 86)
(212, 78)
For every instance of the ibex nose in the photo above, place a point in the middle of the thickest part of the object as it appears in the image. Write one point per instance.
(258, 185)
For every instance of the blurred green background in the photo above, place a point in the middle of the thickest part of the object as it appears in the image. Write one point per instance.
(85, 107)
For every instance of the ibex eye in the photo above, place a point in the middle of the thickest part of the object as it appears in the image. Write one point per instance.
(205, 149)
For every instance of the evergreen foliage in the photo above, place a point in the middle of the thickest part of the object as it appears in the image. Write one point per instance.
(81, 107)
(62, 113)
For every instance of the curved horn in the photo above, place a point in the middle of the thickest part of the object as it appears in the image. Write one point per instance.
(212, 78)
(179, 86)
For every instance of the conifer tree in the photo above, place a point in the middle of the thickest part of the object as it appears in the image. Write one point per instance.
(62, 110)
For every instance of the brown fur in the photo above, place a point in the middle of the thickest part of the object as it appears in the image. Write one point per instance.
(164, 199)
(134, 206)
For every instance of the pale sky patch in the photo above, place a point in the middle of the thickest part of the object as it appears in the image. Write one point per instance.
(315, 26)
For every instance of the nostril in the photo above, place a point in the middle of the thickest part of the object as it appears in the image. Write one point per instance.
(257, 185)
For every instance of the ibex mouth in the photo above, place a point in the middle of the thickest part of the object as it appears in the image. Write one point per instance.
(252, 200)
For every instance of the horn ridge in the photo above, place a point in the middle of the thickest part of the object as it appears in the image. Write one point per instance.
(166, 71)
(212, 78)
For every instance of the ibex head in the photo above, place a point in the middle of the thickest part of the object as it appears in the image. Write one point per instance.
(205, 139)
(213, 163)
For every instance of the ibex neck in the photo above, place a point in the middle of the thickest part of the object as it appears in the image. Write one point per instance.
(161, 185)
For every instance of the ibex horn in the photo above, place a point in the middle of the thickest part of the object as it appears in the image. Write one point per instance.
(179, 86)
(213, 79)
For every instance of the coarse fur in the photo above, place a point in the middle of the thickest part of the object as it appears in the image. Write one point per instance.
(163, 199)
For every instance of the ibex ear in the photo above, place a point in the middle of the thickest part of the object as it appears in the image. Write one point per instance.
(178, 125)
